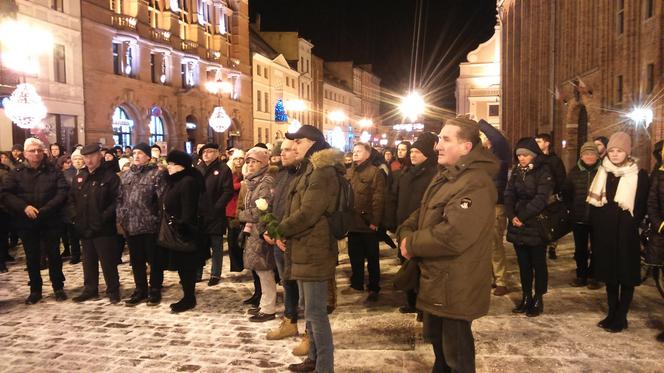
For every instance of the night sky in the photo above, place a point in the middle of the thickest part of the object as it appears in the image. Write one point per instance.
(380, 32)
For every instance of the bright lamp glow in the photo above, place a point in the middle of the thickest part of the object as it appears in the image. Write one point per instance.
(22, 44)
(24, 107)
(412, 106)
(219, 120)
(640, 114)
(365, 136)
(365, 122)
(294, 126)
(337, 116)
(337, 138)
(295, 105)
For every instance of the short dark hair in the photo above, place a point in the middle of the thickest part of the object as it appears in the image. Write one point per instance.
(366, 146)
(603, 139)
(466, 133)
(544, 136)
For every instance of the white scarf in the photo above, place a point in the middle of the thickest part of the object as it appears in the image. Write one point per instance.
(626, 191)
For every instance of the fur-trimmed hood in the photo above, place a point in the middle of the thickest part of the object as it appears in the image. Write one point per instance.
(328, 157)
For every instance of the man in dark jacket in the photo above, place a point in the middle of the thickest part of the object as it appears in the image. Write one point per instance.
(34, 194)
(16, 156)
(94, 194)
(575, 191)
(212, 204)
(138, 214)
(310, 249)
(557, 168)
(497, 143)
(450, 236)
(368, 183)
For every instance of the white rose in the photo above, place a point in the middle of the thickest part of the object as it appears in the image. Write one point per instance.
(261, 204)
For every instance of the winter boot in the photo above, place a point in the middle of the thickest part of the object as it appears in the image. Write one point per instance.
(302, 349)
(537, 307)
(525, 303)
(286, 329)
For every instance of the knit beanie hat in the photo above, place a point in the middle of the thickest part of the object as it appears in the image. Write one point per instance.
(180, 158)
(144, 148)
(425, 144)
(589, 146)
(76, 153)
(525, 151)
(622, 141)
(260, 154)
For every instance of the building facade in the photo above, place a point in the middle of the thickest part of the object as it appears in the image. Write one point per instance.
(148, 64)
(58, 79)
(317, 91)
(577, 69)
(478, 86)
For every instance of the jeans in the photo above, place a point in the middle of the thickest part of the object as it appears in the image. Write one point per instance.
(33, 242)
(321, 347)
(291, 292)
(268, 302)
(453, 343)
(363, 246)
(581, 254)
(217, 243)
(102, 250)
(143, 249)
(532, 259)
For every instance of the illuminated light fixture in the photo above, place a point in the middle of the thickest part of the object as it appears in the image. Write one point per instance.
(127, 70)
(162, 78)
(22, 44)
(337, 116)
(24, 107)
(408, 127)
(294, 126)
(412, 106)
(383, 142)
(641, 115)
(218, 86)
(191, 126)
(219, 120)
(226, 87)
(365, 136)
(365, 122)
(337, 138)
(295, 105)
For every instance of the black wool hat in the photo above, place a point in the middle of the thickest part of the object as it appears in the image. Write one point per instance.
(90, 149)
(307, 132)
(180, 158)
(209, 145)
(425, 144)
(144, 148)
(155, 146)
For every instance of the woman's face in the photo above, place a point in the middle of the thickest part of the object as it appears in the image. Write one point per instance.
(238, 162)
(108, 157)
(173, 168)
(617, 156)
(525, 159)
(253, 165)
(78, 162)
(66, 165)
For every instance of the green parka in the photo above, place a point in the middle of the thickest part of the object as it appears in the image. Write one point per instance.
(451, 234)
(368, 183)
(311, 250)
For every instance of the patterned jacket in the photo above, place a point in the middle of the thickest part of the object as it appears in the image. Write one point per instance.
(141, 187)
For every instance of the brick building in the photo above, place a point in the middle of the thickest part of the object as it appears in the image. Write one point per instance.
(146, 64)
(577, 68)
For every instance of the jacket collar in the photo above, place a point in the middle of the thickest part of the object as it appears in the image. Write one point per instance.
(478, 158)
(583, 167)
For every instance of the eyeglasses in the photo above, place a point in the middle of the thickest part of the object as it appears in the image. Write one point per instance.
(252, 161)
(34, 151)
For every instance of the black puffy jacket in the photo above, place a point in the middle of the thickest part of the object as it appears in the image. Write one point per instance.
(94, 197)
(575, 190)
(557, 168)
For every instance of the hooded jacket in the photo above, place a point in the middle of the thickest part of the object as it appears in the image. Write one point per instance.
(311, 249)
(451, 235)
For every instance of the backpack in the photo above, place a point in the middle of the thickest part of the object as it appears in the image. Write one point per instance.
(340, 220)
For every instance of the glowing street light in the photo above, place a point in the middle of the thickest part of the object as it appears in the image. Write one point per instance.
(365, 136)
(337, 116)
(219, 121)
(218, 86)
(24, 107)
(365, 122)
(295, 105)
(412, 106)
(641, 114)
(22, 44)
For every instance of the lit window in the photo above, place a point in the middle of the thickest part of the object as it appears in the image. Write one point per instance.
(156, 129)
(122, 128)
(154, 10)
(59, 66)
(188, 74)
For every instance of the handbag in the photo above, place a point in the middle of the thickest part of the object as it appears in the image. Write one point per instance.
(171, 239)
(408, 276)
(554, 222)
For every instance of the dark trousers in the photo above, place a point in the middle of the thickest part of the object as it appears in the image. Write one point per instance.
(4, 240)
(33, 243)
(363, 246)
(532, 259)
(581, 253)
(453, 344)
(71, 241)
(234, 250)
(188, 281)
(619, 297)
(102, 250)
(143, 249)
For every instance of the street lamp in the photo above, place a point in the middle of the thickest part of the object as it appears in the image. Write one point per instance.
(641, 114)
(219, 121)
(365, 136)
(295, 105)
(365, 122)
(337, 116)
(412, 106)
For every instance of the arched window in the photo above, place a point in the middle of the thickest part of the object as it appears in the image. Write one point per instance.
(122, 128)
(156, 129)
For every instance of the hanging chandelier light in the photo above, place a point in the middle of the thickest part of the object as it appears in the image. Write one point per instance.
(24, 107)
(219, 120)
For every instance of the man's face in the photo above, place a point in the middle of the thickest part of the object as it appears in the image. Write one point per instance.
(416, 156)
(450, 148)
(140, 158)
(360, 154)
(600, 147)
(402, 151)
(589, 158)
(388, 156)
(210, 155)
(55, 151)
(155, 153)
(92, 161)
(34, 153)
(287, 153)
(16, 153)
(301, 147)
(543, 145)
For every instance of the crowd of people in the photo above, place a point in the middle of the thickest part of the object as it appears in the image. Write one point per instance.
(449, 200)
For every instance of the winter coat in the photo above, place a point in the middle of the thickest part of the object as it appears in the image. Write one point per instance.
(451, 234)
(411, 187)
(615, 235)
(218, 192)
(369, 183)
(138, 210)
(575, 190)
(4, 173)
(282, 184)
(501, 150)
(258, 255)
(180, 200)
(311, 249)
(94, 197)
(68, 211)
(231, 207)
(557, 169)
(43, 187)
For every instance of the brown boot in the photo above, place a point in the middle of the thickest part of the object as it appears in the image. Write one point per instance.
(307, 365)
(302, 349)
(286, 329)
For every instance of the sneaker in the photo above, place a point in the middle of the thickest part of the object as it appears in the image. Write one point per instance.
(262, 317)
(578, 282)
(499, 291)
(307, 366)
(286, 329)
(213, 281)
(302, 349)
(60, 295)
(85, 296)
(136, 298)
(33, 298)
(154, 297)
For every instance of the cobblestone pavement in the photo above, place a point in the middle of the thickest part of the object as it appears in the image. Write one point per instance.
(216, 337)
